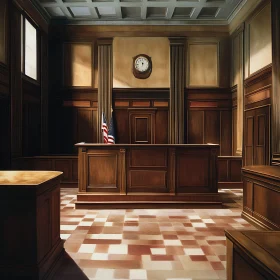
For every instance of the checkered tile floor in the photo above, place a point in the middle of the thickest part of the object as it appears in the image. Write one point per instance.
(158, 244)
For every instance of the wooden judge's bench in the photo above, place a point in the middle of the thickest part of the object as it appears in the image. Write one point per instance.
(147, 175)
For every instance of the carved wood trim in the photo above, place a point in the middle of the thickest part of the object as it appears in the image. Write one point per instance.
(258, 95)
(140, 93)
(258, 76)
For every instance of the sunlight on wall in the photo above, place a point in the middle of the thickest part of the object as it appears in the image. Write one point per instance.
(260, 40)
(78, 65)
(203, 64)
(125, 48)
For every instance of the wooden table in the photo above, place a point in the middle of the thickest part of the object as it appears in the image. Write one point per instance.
(137, 176)
(261, 196)
(253, 255)
(30, 223)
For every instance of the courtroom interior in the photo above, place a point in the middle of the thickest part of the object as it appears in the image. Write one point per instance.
(140, 139)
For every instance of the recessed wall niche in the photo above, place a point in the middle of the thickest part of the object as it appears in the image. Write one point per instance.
(78, 64)
(203, 68)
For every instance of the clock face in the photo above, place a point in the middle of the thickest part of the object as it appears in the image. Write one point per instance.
(141, 64)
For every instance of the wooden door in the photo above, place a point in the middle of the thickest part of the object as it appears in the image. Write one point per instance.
(142, 127)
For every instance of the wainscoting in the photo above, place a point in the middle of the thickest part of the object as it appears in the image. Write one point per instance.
(229, 172)
(257, 118)
(229, 169)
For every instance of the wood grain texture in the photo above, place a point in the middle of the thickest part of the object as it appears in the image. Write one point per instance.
(275, 129)
(257, 134)
(150, 169)
(66, 164)
(254, 255)
(31, 200)
(229, 172)
(209, 118)
(261, 195)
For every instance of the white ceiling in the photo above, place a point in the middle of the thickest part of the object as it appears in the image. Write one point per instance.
(129, 12)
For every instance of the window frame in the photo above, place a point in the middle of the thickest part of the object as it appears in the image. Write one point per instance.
(36, 81)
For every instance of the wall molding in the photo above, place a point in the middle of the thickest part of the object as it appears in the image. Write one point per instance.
(258, 76)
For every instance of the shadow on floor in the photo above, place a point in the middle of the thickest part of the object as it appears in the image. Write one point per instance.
(68, 270)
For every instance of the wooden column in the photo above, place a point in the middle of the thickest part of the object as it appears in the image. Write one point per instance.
(177, 84)
(275, 116)
(105, 82)
(16, 84)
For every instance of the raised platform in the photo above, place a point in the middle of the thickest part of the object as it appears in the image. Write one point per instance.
(149, 201)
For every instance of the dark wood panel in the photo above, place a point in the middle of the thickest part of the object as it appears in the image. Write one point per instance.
(243, 270)
(253, 254)
(266, 203)
(234, 130)
(16, 84)
(229, 172)
(5, 138)
(44, 229)
(30, 214)
(193, 162)
(235, 166)
(64, 166)
(31, 129)
(142, 127)
(122, 126)
(225, 133)
(121, 180)
(149, 158)
(4, 11)
(161, 126)
(212, 127)
(223, 170)
(257, 96)
(103, 172)
(78, 125)
(195, 127)
(262, 196)
(248, 196)
(147, 180)
(257, 135)
(210, 117)
(249, 137)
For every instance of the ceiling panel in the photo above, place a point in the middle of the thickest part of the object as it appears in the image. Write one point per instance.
(139, 11)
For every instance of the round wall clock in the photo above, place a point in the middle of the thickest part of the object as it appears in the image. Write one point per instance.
(142, 66)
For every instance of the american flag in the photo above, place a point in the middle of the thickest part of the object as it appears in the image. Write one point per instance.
(111, 133)
(104, 128)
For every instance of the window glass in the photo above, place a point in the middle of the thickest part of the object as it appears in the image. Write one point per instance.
(30, 50)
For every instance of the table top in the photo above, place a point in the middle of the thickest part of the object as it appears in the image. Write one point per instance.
(26, 178)
(83, 144)
(262, 245)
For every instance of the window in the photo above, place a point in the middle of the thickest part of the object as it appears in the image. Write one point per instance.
(29, 49)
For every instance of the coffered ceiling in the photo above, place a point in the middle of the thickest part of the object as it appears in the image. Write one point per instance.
(129, 12)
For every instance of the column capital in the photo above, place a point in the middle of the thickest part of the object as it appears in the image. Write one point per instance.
(104, 41)
(177, 41)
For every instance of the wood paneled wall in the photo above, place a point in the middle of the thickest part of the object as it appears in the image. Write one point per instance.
(257, 118)
(141, 115)
(75, 120)
(66, 164)
(209, 118)
(22, 109)
(5, 138)
(229, 172)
